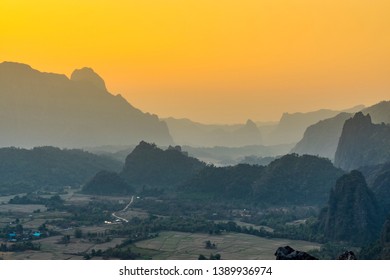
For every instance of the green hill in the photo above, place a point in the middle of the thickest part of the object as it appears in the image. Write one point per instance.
(48, 167)
(148, 165)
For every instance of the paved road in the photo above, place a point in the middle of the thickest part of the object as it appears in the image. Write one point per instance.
(114, 214)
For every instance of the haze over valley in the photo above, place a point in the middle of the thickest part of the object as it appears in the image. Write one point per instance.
(79, 165)
(194, 129)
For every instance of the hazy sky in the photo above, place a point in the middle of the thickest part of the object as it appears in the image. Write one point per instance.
(219, 61)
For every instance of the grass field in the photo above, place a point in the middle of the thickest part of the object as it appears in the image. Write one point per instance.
(51, 250)
(231, 246)
(168, 245)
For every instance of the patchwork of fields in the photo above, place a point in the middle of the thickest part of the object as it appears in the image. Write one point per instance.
(232, 246)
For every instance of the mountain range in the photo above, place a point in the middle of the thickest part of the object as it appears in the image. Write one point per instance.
(46, 109)
(289, 130)
(187, 132)
(292, 126)
(323, 137)
(289, 180)
(26, 170)
(362, 143)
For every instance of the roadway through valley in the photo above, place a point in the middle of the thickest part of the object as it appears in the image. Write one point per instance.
(115, 214)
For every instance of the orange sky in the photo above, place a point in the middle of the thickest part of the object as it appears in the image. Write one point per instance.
(219, 61)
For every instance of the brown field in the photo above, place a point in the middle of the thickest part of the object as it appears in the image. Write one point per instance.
(5, 199)
(21, 208)
(168, 245)
(231, 246)
(51, 250)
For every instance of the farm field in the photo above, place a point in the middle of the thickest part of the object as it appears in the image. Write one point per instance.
(175, 245)
(51, 249)
(231, 246)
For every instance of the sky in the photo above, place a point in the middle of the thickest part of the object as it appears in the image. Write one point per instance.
(219, 61)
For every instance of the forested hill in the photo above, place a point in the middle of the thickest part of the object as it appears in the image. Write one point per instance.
(289, 180)
(352, 213)
(148, 165)
(296, 180)
(25, 169)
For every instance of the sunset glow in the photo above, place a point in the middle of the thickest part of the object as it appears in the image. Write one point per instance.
(220, 61)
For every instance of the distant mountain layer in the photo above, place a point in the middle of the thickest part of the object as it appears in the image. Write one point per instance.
(186, 132)
(362, 143)
(288, 130)
(45, 109)
(232, 155)
(47, 167)
(292, 126)
(322, 138)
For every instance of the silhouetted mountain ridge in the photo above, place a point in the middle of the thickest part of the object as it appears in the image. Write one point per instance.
(187, 132)
(322, 138)
(362, 143)
(46, 109)
(292, 126)
(352, 214)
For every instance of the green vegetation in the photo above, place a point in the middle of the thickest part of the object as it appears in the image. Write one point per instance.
(224, 182)
(296, 180)
(230, 246)
(281, 201)
(107, 183)
(151, 166)
(20, 246)
(23, 170)
(287, 181)
(52, 203)
(352, 214)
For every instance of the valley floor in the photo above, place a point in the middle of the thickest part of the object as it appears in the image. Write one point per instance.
(231, 246)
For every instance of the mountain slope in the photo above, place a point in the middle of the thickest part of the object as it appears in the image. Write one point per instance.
(148, 165)
(378, 179)
(187, 132)
(49, 167)
(107, 183)
(322, 138)
(362, 143)
(289, 180)
(296, 180)
(231, 182)
(292, 126)
(39, 109)
(352, 214)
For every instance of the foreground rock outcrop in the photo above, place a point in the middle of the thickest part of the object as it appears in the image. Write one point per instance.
(288, 253)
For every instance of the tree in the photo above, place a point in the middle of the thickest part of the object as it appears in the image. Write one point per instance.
(78, 233)
(65, 239)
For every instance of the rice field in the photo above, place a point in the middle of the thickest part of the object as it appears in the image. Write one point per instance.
(231, 246)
